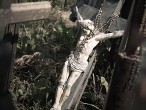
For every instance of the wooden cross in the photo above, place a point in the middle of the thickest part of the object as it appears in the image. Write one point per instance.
(22, 12)
(11, 14)
(88, 9)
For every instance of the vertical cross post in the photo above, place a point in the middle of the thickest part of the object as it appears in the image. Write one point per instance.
(5, 58)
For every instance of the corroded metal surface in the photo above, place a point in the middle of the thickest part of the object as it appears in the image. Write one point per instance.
(123, 94)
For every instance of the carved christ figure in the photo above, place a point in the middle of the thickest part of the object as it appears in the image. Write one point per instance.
(77, 61)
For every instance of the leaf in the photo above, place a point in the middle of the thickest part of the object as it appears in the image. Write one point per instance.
(104, 83)
(60, 28)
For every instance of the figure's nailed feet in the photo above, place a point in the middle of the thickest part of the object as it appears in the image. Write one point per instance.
(59, 107)
(53, 108)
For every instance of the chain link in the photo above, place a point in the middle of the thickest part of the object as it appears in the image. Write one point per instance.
(143, 24)
(105, 27)
(98, 29)
(98, 19)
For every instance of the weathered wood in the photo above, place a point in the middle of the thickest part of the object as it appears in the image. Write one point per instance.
(5, 4)
(90, 12)
(5, 62)
(17, 13)
(6, 102)
(77, 99)
(11, 38)
(24, 12)
(9, 15)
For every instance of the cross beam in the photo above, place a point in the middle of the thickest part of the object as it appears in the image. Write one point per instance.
(22, 12)
(88, 10)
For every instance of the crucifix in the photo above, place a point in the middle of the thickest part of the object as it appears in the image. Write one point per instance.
(12, 13)
(77, 62)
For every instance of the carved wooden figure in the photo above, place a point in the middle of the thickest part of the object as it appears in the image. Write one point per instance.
(77, 61)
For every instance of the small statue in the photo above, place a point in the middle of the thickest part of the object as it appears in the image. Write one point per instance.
(77, 61)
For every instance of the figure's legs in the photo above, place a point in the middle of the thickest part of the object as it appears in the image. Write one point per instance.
(73, 77)
(59, 91)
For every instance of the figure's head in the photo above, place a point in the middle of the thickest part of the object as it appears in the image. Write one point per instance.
(85, 24)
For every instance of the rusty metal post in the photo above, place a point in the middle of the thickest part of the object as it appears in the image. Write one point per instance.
(123, 88)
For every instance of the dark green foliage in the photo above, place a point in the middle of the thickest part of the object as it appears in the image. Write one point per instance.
(34, 83)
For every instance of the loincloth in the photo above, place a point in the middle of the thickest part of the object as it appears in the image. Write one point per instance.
(77, 65)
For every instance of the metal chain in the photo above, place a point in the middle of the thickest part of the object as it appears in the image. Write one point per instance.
(98, 19)
(97, 24)
(104, 28)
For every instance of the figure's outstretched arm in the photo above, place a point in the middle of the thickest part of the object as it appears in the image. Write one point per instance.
(103, 36)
